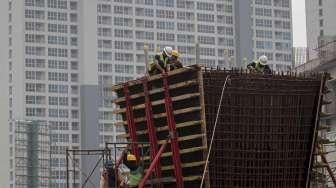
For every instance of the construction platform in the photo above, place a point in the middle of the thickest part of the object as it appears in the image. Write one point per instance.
(265, 134)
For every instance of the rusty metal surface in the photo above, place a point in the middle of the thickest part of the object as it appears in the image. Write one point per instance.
(265, 131)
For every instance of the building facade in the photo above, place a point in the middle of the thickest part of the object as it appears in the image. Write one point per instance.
(63, 56)
(321, 27)
(300, 55)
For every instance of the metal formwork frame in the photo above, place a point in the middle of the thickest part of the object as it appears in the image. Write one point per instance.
(151, 130)
(130, 122)
(173, 134)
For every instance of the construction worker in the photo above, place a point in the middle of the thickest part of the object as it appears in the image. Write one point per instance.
(136, 171)
(260, 66)
(174, 62)
(107, 179)
(160, 61)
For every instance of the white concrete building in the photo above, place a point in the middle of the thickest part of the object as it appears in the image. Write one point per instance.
(321, 26)
(300, 55)
(272, 30)
(62, 57)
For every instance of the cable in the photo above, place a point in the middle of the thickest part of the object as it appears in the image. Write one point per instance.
(83, 173)
(214, 130)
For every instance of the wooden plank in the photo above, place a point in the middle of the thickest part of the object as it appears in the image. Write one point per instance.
(159, 102)
(203, 125)
(180, 139)
(159, 90)
(159, 76)
(183, 151)
(184, 165)
(161, 115)
(172, 179)
(164, 128)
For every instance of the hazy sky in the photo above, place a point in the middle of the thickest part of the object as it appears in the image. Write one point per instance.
(299, 23)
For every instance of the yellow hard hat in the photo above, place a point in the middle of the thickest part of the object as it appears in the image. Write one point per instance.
(175, 53)
(131, 157)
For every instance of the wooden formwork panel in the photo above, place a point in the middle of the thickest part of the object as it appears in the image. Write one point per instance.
(189, 114)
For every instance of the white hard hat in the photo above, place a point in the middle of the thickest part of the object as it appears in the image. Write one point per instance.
(263, 60)
(168, 51)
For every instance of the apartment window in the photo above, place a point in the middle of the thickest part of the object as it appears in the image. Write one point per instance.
(74, 126)
(206, 40)
(74, 77)
(73, 17)
(321, 32)
(124, 69)
(165, 37)
(321, 23)
(75, 138)
(206, 29)
(205, 17)
(205, 6)
(74, 90)
(186, 27)
(144, 2)
(165, 3)
(63, 113)
(185, 38)
(320, 2)
(185, 4)
(104, 8)
(74, 65)
(74, 41)
(53, 100)
(104, 55)
(73, 5)
(321, 12)
(140, 69)
(74, 102)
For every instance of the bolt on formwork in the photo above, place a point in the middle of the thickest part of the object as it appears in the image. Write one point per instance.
(32, 154)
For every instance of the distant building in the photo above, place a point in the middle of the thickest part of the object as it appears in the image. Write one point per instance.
(300, 55)
(321, 25)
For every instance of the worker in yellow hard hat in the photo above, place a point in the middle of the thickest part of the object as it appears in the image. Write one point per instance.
(136, 170)
(174, 62)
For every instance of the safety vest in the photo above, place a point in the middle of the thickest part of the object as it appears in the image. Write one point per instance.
(259, 68)
(134, 177)
(161, 59)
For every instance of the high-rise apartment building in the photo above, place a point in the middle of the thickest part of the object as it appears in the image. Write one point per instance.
(62, 57)
(300, 55)
(321, 26)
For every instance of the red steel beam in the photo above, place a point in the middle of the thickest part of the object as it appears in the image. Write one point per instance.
(172, 129)
(152, 165)
(130, 122)
(151, 130)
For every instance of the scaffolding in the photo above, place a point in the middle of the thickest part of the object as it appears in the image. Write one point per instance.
(32, 154)
(326, 57)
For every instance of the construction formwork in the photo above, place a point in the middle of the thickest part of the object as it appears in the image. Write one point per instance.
(265, 132)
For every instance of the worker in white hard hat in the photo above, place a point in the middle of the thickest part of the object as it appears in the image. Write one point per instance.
(160, 61)
(260, 65)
